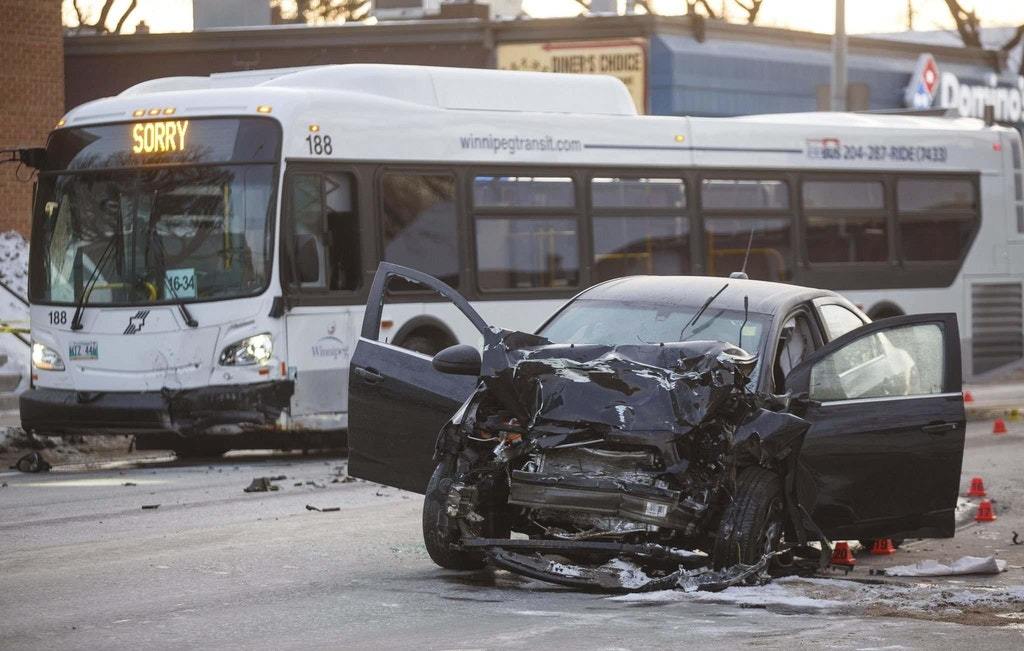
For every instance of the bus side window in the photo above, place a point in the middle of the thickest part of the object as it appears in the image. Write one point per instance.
(342, 231)
(325, 231)
(307, 225)
(419, 225)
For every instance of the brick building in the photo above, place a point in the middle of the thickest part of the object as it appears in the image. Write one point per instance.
(31, 94)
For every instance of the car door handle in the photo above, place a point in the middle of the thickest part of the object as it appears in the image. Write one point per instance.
(939, 428)
(368, 374)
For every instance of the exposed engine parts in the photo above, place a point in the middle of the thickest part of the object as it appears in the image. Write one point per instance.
(617, 461)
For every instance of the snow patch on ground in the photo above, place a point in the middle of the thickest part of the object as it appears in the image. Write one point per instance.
(766, 596)
(14, 273)
(14, 261)
(810, 594)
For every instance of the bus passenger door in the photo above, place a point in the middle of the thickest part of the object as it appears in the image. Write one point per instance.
(322, 270)
(398, 401)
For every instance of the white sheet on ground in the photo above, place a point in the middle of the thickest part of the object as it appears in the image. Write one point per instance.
(964, 565)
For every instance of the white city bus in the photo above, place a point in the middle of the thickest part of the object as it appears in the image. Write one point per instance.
(202, 247)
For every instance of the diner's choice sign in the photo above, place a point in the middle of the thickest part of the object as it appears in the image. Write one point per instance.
(625, 59)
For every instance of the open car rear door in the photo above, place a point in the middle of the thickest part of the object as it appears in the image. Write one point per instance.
(397, 402)
(882, 457)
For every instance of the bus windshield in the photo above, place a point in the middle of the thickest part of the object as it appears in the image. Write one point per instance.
(175, 231)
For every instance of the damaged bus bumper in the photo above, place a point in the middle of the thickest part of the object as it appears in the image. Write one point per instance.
(222, 409)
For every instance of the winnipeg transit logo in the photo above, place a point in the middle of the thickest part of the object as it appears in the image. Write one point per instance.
(136, 322)
(928, 87)
(330, 348)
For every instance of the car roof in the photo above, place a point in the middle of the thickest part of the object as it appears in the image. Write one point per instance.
(765, 297)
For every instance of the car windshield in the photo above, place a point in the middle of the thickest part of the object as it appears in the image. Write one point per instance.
(596, 321)
(189, 222)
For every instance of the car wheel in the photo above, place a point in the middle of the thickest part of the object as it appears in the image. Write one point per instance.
(439, 531)
(753, 523)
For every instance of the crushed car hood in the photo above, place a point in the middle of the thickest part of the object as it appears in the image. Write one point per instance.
(565, 389)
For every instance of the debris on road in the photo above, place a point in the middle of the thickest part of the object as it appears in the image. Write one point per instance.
(262, 485)
(330, 509)
(964, 565)
(129, 483)
(341, 475)
(150, 507)
(33, 462)
(1016, 536)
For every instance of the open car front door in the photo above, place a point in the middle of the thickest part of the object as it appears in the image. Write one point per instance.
(882, 457)
(397, 401)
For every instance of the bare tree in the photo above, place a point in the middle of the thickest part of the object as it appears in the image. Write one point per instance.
(99, 26)
(694, 7)
(752, 9)
(691, 8)
(308, 11)
(968, 25)
(1012, 43)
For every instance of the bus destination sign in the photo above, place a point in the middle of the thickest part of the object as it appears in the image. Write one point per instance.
(161, 137)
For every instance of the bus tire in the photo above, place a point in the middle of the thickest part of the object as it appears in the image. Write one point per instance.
(884, 311)
(426, 343)
(200, 449)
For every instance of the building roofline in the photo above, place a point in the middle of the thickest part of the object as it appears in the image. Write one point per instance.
(487, 33)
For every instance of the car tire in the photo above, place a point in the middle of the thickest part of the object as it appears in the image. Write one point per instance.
(439, 532)
(754, 522)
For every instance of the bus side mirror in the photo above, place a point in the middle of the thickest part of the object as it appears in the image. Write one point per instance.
(308, 258)
(460, 359)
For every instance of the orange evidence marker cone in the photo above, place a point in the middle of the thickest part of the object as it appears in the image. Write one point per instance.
(977, 488)
(985, 512)
(999, 427)
(842, 555)
(968, 397)
(883, 547)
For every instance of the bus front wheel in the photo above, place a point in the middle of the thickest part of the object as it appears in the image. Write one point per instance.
(426, 343)
(200, 449)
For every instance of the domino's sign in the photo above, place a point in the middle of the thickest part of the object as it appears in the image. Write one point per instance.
(928, 87)
(920, 92)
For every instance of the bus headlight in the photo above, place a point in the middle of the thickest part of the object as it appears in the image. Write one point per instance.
(46, 359)
(256, 349)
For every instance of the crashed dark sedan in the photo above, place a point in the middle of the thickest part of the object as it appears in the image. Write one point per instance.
(655, 425)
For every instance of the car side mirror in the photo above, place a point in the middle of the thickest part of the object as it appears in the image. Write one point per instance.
(460, 359)
(308, 259)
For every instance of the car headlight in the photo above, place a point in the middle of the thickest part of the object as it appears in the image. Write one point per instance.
(46, 359)
(256, 349)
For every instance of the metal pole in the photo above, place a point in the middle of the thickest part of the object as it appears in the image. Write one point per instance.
(838, 78)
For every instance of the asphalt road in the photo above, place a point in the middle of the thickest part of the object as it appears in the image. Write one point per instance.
(83, 566)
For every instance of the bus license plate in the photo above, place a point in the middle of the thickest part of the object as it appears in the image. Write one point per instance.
(83, 351)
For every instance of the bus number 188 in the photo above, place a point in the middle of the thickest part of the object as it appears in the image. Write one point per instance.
(319, 145)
